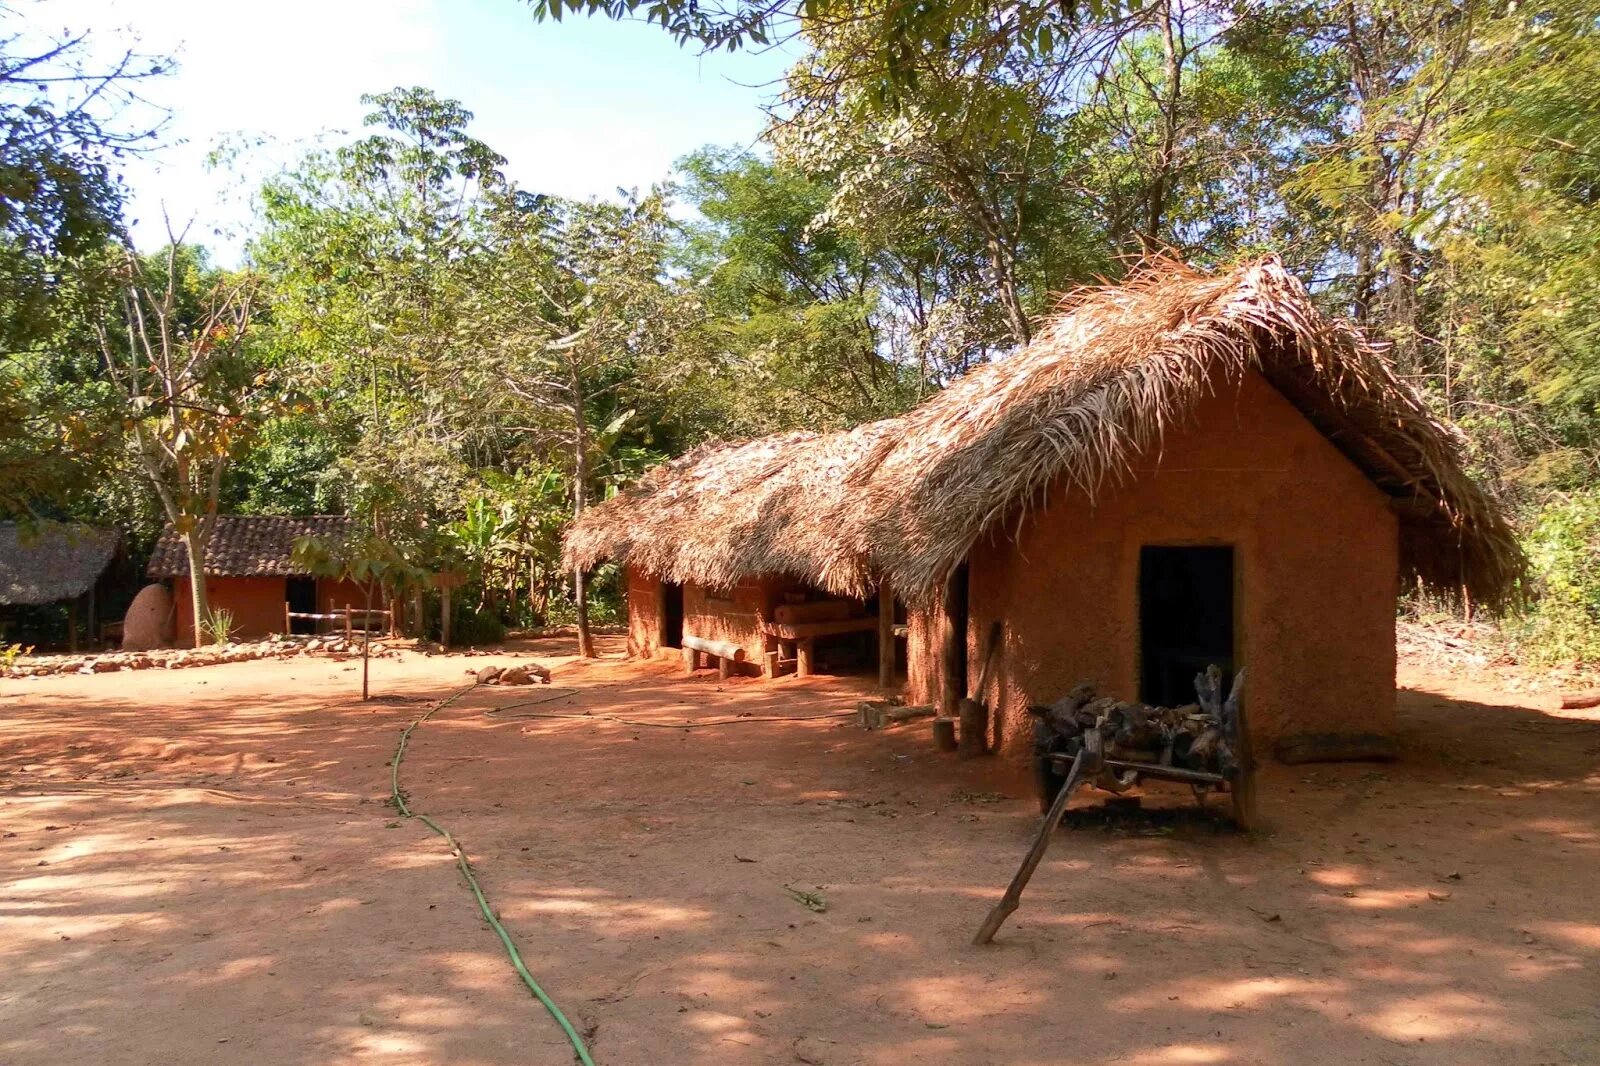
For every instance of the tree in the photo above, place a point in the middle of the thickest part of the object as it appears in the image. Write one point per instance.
(803, 317)
(364, 246)
(574, 313)
(368, 560)
(62, 127)
(175, 349)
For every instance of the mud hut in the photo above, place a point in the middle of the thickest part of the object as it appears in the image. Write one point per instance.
(50, 563)
(1179, 470)
(251, 573)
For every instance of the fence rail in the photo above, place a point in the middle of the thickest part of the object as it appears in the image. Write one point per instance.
(346, 615)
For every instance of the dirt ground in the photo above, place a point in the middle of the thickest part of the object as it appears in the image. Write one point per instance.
(198, 866)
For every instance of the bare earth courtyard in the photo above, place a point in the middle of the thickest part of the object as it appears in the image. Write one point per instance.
(199, 866)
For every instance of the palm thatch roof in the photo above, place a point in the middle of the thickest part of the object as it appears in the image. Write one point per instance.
(249, 545)
(51, 562)
(1106, 377)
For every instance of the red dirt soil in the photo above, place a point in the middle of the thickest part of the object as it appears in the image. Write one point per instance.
(199, 867)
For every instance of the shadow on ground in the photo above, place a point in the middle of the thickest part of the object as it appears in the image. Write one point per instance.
(223, 882)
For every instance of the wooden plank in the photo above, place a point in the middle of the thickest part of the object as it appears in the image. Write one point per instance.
(815, 611)
(805, 657)
(807, 630)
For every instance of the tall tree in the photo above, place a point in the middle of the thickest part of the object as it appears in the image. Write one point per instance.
(364, 246)
(176, 351)
(575, 315)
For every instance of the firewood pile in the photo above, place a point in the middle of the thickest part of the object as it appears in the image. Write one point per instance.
(1198, 737)
(1113, 744)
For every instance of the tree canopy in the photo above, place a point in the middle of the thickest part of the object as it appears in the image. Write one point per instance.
(465, 364)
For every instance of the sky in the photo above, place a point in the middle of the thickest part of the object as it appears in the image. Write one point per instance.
(579, 109)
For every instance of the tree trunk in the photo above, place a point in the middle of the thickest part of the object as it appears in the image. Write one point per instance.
(366, 639)
(1166, 158)
(194, 549)
(580, 478)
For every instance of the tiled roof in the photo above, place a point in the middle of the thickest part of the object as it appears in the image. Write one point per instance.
(53, 562)
(248, 545)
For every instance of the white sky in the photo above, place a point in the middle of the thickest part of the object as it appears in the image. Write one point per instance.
(578, 108)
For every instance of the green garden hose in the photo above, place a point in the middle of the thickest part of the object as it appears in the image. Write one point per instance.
(398, 797)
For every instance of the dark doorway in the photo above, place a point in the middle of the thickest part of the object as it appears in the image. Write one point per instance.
(1185, 620)
(671, 615)
(301, 594)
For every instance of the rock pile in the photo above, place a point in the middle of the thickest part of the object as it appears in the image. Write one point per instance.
(521, 674)
(182, 658)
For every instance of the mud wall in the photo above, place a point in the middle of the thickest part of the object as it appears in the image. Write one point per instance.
(644, 613)
(257, 604)
(1316, 574)
(733, 614)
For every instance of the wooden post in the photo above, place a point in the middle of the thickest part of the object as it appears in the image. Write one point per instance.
(347, 623)
(444, 616)
(1085, 764)
(287, 625)
(724, 667)
(885, 635)
(689, 659)
(953, 645)
(805, 656)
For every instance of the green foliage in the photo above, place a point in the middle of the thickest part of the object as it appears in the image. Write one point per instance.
(1562, 624)
(218, 625)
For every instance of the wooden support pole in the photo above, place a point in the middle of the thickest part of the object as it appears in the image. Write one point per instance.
(689, 659)
(953, 645)
(347, 622)
(444, 616)
(288, 626)
(724, 667)
(885, 635)
(805, 660)
(1085, 763)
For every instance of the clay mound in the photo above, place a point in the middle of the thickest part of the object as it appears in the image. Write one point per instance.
(148, 623)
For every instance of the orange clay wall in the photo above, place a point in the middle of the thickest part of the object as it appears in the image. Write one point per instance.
(644, 613)
(733, 614)
(1316, 575)
(257, 604)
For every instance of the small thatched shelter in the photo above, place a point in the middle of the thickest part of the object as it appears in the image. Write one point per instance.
(251, 572)
(54, 562)
(1180, 469)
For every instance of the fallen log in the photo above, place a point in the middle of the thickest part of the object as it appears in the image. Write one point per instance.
(1578, 701)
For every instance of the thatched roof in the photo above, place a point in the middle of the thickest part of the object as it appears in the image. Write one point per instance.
(905, 499)
(249, 545)
(51, 562)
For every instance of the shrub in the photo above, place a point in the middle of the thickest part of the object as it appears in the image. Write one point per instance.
(1562, 621)
(218, 626)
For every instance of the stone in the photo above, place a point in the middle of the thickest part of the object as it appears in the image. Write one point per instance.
(148, 621)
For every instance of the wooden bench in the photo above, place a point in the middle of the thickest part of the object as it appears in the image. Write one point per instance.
(803, 635)
(726, 652)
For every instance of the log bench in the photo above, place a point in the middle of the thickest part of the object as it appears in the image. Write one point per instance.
(803, 636)
(725, 652)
